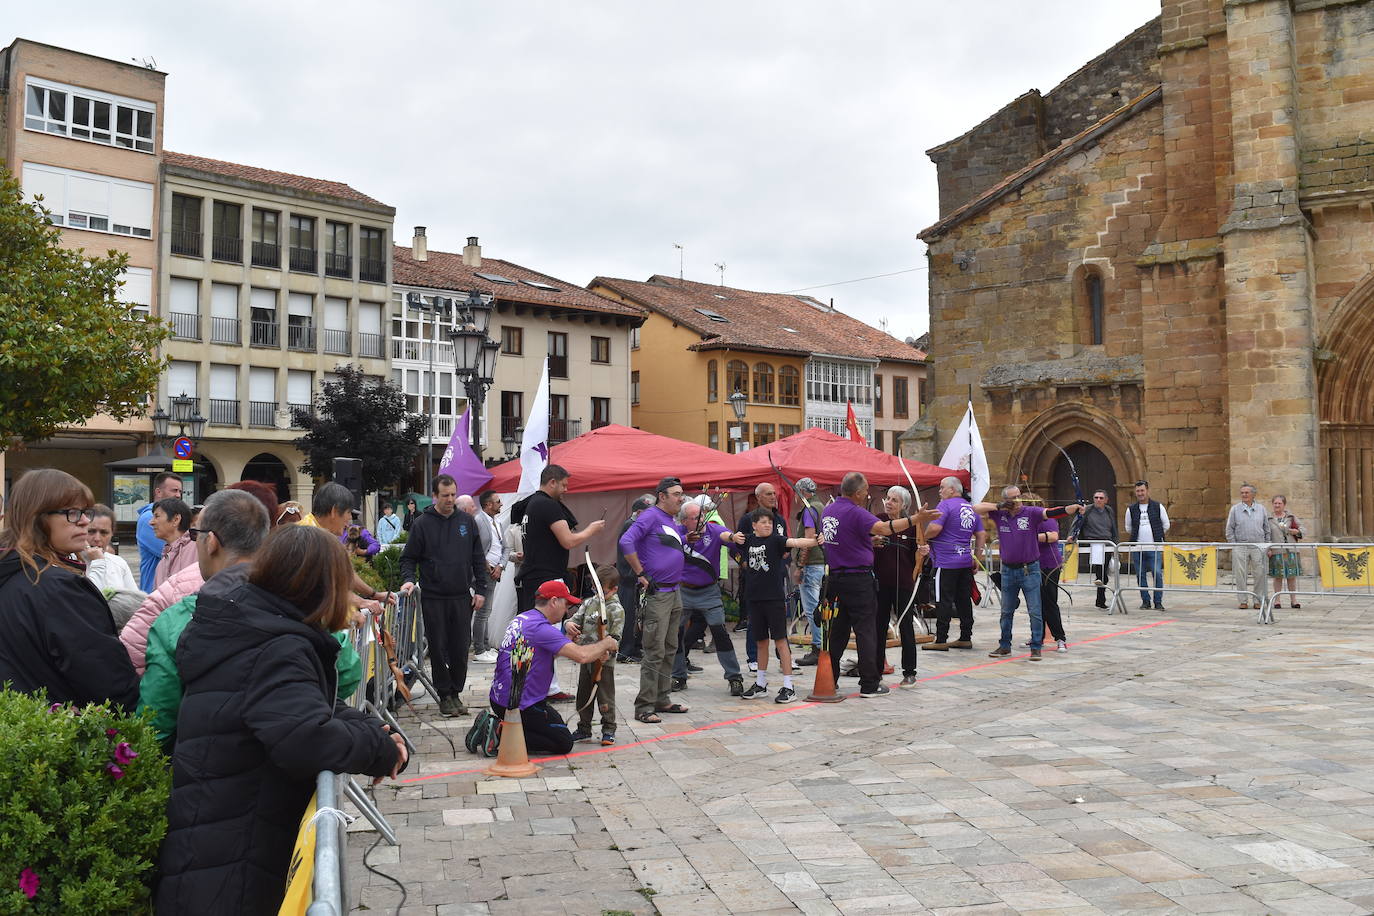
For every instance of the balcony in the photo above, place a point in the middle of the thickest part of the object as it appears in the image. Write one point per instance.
(224, 412)
(338, 265)
(265, 334)
(186, 242)
(422, 351)
(442, 428)
(372, 270)
(225, 248)
(371, 346)
(262, 414)
(336, 342)
(266, 255)
(299, 412)
(509, 425)
(300, 337)
(561, 430)
(303, 260)
(185, 326)
(224, 331)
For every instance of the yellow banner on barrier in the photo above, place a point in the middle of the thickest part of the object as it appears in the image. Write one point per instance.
(1069, 571)
(301, 878)
(1190, 568)
(1344, 568)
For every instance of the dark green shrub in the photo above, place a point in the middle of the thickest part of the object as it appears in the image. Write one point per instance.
(368, 574)
(83, 804)
(387, 564)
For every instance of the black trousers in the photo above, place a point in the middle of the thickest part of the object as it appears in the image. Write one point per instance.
(1100, 575)
(448, 627)
(891, 602)
(546, 734)
(629, 601)
(1049, 602)
(954, 591)
(855, 597)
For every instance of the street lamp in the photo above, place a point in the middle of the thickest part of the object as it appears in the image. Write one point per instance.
(738, 402)
(474, 356)
(509, 443)
(185, 414)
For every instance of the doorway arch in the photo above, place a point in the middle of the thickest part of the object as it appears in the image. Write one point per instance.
(1345, 377)
(1107, 448)
(271, 470)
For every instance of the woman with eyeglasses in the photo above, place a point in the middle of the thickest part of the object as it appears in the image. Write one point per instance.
(59, 637)
(258, 720)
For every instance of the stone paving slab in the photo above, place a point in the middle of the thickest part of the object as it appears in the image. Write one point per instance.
(1187, 761)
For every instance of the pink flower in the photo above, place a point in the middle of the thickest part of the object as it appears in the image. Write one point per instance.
(111, 732)
(124, 755)
(114, 771)
(54, 707)
(29, 882)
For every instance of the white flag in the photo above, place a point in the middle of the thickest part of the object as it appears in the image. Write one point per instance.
(534, 446)
(966, 453)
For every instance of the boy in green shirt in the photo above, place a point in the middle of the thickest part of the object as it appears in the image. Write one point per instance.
(590, 616)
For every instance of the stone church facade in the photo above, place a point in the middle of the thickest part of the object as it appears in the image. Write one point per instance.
(1166, 266)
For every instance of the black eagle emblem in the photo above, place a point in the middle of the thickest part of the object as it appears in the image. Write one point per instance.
(1192, 565)
(1352, 564)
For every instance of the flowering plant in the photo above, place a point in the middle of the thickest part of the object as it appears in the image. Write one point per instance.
(521, 656)
(83, 800)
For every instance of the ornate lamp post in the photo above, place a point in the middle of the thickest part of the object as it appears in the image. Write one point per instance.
(738, 402)
(474, 355)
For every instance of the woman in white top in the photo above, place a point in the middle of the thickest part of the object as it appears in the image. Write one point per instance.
(105, 569)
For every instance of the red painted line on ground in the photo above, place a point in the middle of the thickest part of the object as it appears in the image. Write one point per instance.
(761, 715)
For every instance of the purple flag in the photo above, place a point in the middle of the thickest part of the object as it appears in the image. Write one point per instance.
(460, 463)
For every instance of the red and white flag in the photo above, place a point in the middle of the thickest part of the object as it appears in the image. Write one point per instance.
(852, 422)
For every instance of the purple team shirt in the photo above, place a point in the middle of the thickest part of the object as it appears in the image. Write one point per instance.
(546, 640)
(1050, 556)
(1016, 533)
(661, 562)
(847, 529)
(708, 547)
(958, 524)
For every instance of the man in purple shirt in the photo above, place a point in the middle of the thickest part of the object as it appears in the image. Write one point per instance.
(1018, 544)
(847, 532)
(653, 550)
(701, 602)
(949, 537)
(545, 731)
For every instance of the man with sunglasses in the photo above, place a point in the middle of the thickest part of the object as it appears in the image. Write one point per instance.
(1099, 524)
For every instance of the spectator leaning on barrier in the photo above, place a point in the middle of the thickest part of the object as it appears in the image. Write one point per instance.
(1099, 524)
(331, 508)
(150, 547)
(1284, 528)
(59, 637)
(258, 722)
(1147, 522)
(1246, 528)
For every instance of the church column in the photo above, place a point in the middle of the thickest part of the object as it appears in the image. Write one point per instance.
(1267, 278)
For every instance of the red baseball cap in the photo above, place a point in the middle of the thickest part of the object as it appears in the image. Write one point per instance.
(557, 588)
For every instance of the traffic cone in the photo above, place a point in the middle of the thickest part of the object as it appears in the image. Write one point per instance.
(823, 691)
(512, 759)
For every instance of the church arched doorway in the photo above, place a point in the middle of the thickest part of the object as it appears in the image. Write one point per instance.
(1095, 472)
(1345, 377)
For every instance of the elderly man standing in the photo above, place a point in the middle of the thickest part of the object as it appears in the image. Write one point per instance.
(701, 596)
(847, 533)
(653, 548)
(950, 538)
(810, 563)
(1245, 525)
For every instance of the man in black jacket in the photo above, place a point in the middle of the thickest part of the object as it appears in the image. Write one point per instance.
(445, 543)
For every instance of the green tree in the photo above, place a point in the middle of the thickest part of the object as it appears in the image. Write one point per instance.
(359, 417)
(68, 349)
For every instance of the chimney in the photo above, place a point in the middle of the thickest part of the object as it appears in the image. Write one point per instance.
(419, 246)
(472, 254)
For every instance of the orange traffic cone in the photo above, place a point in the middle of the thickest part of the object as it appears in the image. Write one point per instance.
(823, 691)
(512, 759)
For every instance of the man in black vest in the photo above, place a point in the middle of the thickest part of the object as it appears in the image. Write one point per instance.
(1147, 523)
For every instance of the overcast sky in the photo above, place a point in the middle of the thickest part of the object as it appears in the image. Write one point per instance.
(785, 140)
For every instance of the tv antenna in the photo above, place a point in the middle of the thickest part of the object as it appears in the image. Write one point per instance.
(681, 256)
(146, 63)
(721, 267)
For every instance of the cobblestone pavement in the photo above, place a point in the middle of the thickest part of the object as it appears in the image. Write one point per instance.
(1200, 765)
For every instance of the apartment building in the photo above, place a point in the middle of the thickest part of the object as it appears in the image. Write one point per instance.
(85, 134)
(270, 280)
(585, 336)
(798, 362)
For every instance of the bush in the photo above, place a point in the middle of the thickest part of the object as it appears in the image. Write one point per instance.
(83, 800)
(387, 564)
(369, 575)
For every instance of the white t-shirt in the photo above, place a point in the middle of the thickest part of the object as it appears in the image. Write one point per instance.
(1145, 535)
(111, 571)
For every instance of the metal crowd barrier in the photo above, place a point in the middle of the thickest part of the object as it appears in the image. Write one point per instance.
(327, 891)
(1193, 561)
(376, 673)
(1327, 571)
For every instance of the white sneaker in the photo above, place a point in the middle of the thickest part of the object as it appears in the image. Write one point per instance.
(1061, 646)
(486, 658)
(753, 666)
(795, 666)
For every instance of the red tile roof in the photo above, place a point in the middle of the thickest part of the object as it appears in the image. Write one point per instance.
(774, 322)
(446, 270)
(334, 189)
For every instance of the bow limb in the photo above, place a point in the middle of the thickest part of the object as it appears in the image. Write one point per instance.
(600, 628)
(920, 530)
(785, 479)
(1077, 488)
